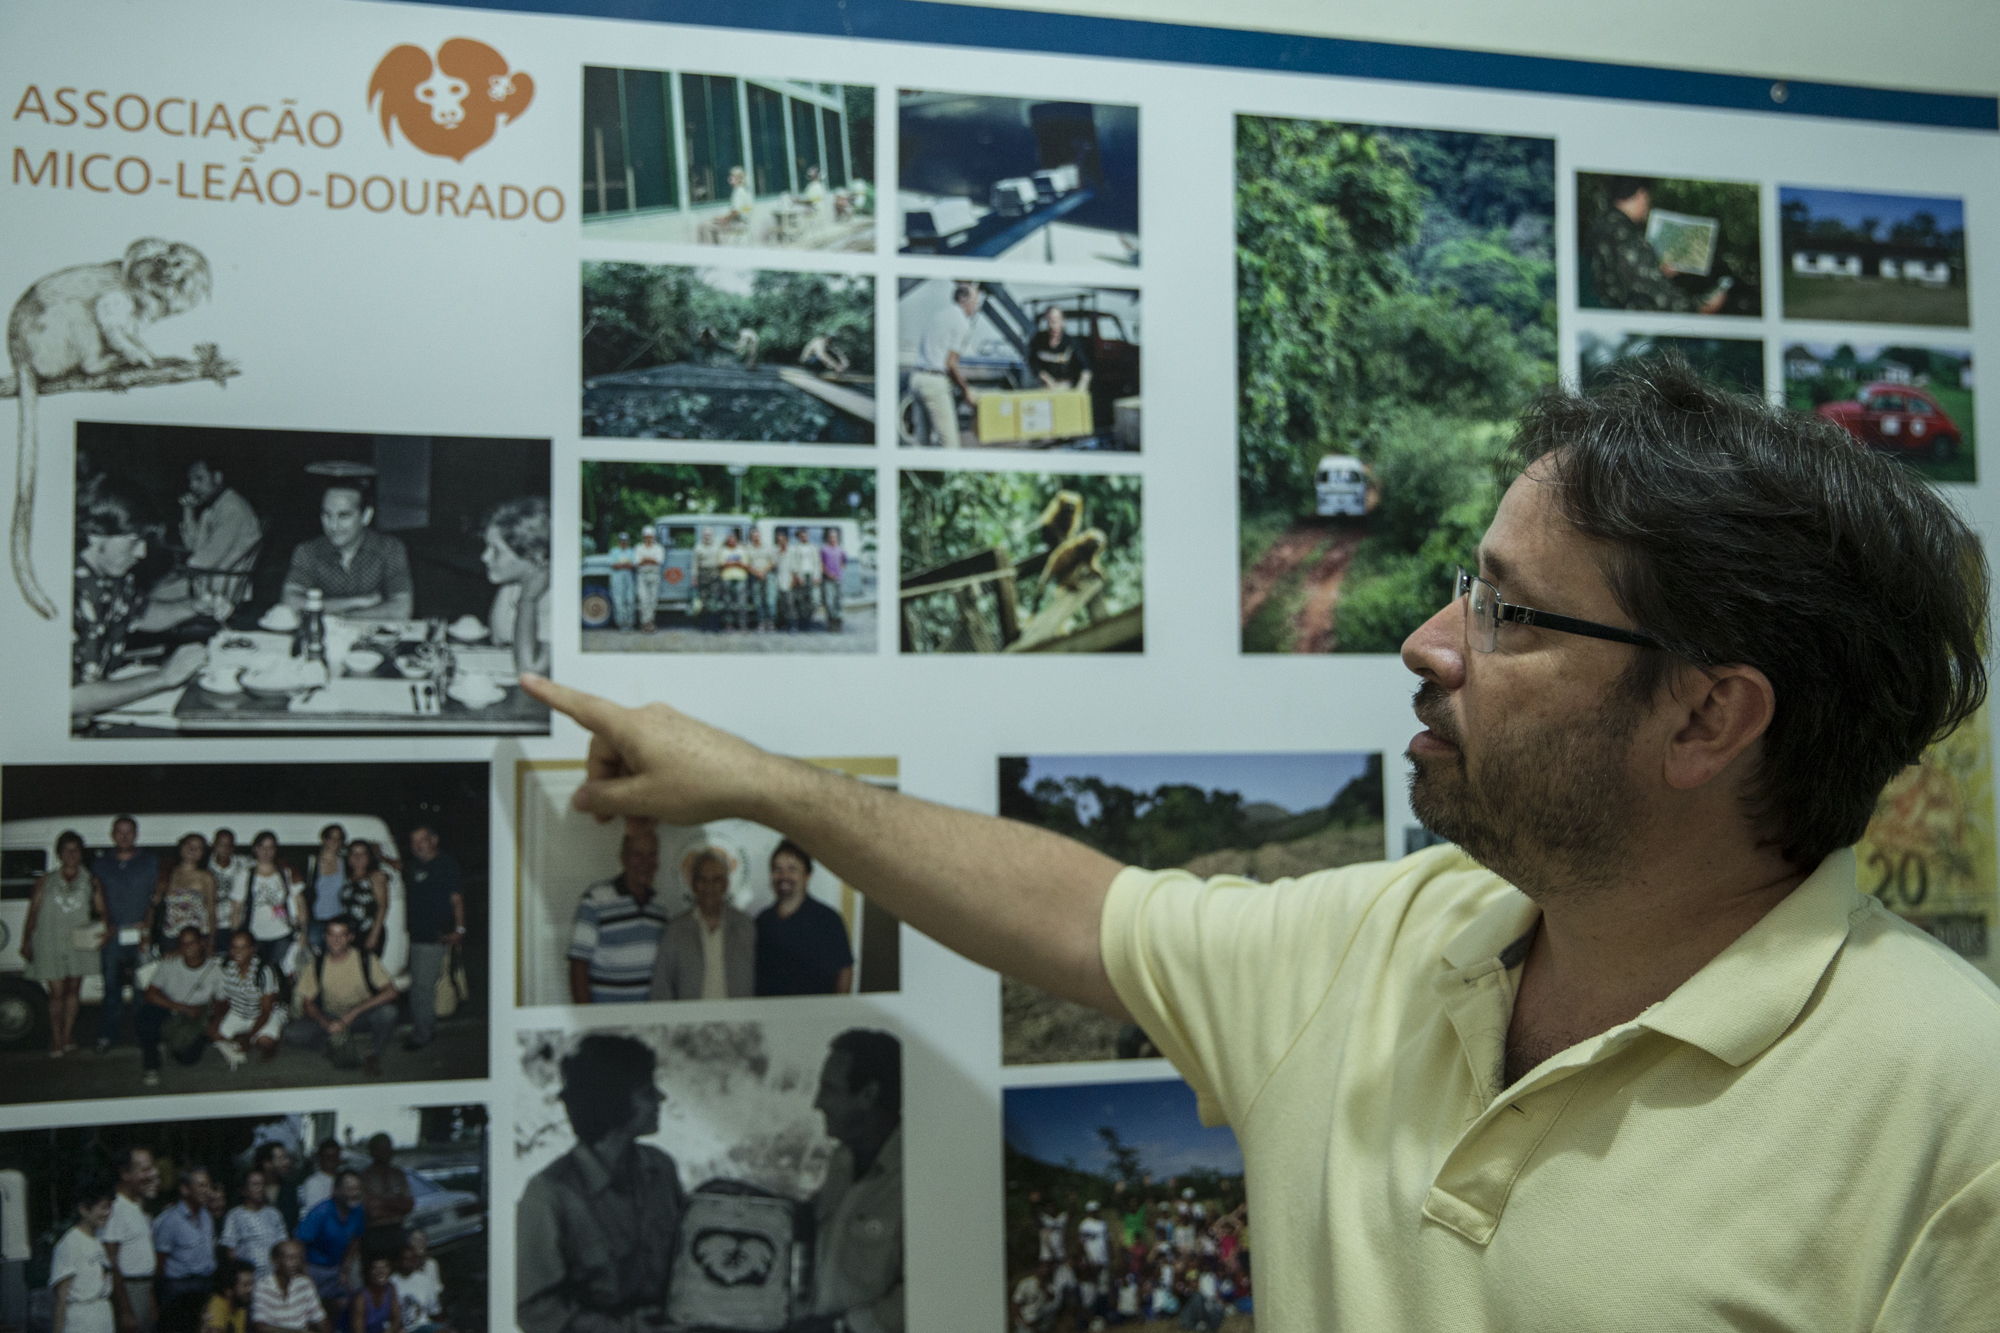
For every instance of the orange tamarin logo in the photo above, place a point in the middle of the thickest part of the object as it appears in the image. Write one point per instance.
(452, 107)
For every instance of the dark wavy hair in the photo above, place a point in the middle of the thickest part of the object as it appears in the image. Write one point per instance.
(523, 524)
(873, 1056)
(598, 1080)
(1740, 534)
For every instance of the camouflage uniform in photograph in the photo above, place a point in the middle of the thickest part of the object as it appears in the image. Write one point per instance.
(1625, 269)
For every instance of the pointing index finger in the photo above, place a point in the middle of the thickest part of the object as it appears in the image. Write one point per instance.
(597, 715)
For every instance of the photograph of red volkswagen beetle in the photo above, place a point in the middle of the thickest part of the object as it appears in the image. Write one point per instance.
(1898, 418)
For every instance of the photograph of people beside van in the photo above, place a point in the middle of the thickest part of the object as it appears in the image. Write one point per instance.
(1021, 562)
(1878, 258)
(1378, 380)
(1013, 365)
(222, 927)
(273, 582)
(717, 159)
(1022, 179)
(715, 558)
(336, 1221)
(1912, 403)
(1264, 817)
(633, 912)
(678, 353)
(1736, 364)
(1668, 246)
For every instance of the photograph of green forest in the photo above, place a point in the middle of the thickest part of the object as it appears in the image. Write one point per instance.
(1395, 309)
(678, 353)
(1018, 562)
(1264, 817)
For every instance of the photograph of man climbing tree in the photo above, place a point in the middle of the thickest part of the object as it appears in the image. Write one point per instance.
(678, 353)
(1264, 817)
(1020, 562)
(1395, 308)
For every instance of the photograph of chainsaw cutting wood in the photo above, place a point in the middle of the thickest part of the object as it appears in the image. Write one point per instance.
(1017, 178)
(1016, 365)
(678, 353)
(1263, 817)
(1020, 562)
(1395, 308)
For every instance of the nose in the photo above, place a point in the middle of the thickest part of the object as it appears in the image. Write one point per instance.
(1435, 650)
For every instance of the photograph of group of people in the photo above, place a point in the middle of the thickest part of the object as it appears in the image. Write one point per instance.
(992, 364)
(217, 927)
(1264, 817)
(1122, 1208)
(711, 1176)
(350, 1221)
(704, 557)
(678, 353)
(631, 912)
(288, 582)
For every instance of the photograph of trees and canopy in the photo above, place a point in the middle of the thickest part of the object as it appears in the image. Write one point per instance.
(1395, 308)
(1261, 816)
(678, 353)
(1021, 562)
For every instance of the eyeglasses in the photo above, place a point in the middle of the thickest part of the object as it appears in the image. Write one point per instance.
(1484, 613)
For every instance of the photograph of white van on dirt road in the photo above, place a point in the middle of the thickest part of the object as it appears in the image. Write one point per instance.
(1395, 308)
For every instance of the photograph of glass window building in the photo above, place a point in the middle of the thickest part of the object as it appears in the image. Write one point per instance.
(713, 159)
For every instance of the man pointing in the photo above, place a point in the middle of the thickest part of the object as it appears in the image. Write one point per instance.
(1636, 1053)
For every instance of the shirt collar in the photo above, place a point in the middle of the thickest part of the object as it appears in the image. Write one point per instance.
(1750, 993)
(1745, 997)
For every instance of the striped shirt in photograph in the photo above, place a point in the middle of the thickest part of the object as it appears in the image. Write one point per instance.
(619, 937)
(285, 1308)
(251, 1232)
(246, 994)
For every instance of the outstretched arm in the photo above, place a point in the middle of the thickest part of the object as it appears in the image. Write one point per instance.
(1007, 895)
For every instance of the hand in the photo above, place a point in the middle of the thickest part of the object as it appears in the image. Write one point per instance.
(27, 951)
(185, 663)
(335, 1026)
(656, 762)
(972, 397)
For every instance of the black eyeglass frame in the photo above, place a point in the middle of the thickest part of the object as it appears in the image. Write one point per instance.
(1507, 613)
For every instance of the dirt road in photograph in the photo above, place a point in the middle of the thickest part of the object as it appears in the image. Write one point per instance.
(1307, 561)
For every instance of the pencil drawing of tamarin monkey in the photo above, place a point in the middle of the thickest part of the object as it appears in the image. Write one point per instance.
(85, 321)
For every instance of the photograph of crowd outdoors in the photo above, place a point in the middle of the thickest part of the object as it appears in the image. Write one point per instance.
(713, 159)
(1395, 310)
(676, 353)
(1122, 1208)
(1668, 246)
(1077, 586)
(263, 926)
(1016, 366)
(631, 912)
(1261, 816)
(711, 1176)
(1736, 364)
(368, 1221)
(1913, 403)
(715, 558)
(300, 582)
(1878, 258)
(1017, 179)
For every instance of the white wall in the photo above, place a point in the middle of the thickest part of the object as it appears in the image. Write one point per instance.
(1934, 45)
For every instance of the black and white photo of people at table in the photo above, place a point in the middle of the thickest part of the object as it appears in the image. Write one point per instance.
(348, 948)
(292, 582)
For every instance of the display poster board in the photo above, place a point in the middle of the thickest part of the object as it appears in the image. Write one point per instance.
(1059, 417)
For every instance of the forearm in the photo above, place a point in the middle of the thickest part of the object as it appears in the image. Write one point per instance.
(98, 696)
(1012, 897)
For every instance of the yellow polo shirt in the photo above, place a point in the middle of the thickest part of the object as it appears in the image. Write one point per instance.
(1804, 1136)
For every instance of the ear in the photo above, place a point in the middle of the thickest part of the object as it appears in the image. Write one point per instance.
(1718, 713)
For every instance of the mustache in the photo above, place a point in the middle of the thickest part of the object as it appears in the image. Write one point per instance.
(1431, 709)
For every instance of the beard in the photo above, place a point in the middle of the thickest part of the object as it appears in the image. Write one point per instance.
(1547, 807)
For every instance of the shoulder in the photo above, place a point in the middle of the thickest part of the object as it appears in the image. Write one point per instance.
(599, 895)
(1919, 1005)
